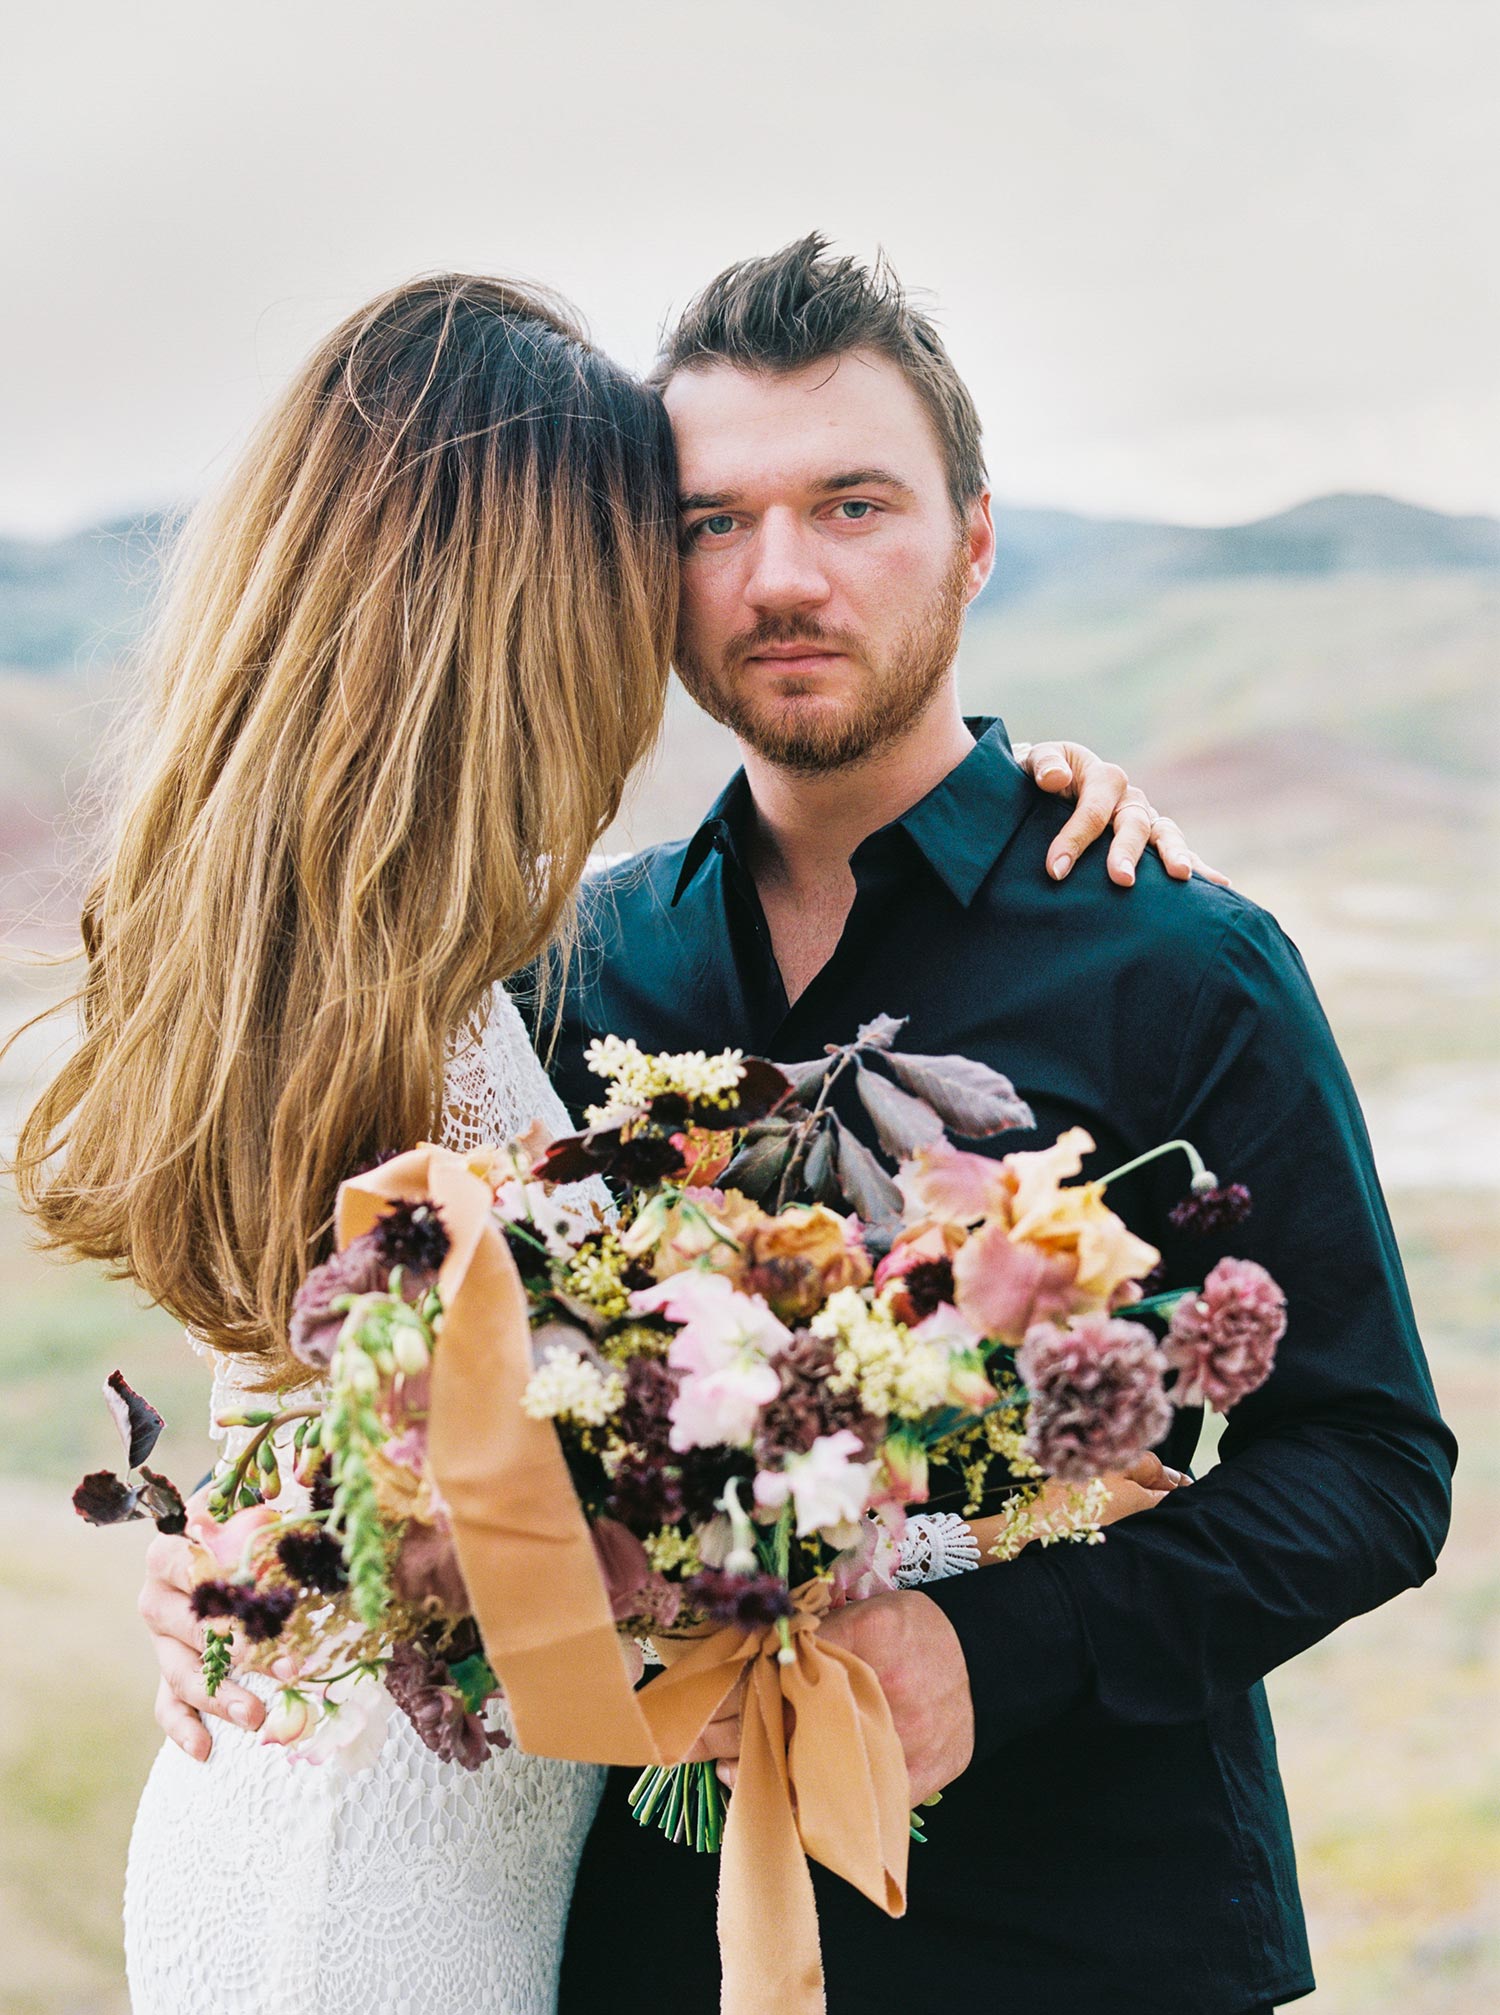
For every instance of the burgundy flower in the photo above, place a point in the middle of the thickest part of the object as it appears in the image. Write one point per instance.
(806, 1408)
(313, 1559)
(645, 1494)
(1097, 1401)
(359, 1269)
(262, 1611)
(1222, 1341)
(421, 1686)
(1209, 1210)
(753, 1601)
(412, 1236)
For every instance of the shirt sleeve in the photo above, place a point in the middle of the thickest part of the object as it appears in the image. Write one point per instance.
(1332, 1490)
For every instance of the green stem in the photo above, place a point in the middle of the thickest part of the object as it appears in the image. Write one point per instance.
(1195, 1161)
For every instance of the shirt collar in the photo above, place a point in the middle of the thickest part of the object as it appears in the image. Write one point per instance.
(960, 828)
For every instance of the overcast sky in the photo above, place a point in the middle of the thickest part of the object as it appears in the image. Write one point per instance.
(1197, 258)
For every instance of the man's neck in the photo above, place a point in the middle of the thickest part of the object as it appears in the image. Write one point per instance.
(807, 826)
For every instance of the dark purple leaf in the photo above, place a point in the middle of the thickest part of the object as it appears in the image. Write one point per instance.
(882, 1032)
(902, 1123)
(138, 1421)
(163, 1500)
(760, 1090)
(760, 1163)
(806, 1079)
(820, 1176)
(865, 1183)
(104, 1500)
(968, 1096)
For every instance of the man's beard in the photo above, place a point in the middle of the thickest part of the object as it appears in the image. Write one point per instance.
(891, 699)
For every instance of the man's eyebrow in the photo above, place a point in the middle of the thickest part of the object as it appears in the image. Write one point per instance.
(846, 479)
(859, 479)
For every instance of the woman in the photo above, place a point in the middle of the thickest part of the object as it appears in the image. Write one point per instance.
(408, 660)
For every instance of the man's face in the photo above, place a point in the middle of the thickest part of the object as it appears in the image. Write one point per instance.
(825, 574)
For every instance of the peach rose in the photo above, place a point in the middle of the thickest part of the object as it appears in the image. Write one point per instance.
(798, 1259)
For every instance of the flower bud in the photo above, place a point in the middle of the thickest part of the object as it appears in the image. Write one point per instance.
(411, 1352)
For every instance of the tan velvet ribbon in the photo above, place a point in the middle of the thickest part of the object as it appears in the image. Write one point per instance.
(836, 1789)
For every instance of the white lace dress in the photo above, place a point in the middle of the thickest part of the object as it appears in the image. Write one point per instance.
(261, 1886)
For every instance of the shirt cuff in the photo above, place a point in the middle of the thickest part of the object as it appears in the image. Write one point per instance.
(1023, 1643)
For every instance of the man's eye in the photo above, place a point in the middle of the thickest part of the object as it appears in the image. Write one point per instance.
(716, 526)
(855, 508)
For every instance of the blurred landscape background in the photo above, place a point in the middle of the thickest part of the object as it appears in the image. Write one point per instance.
(1313, 697)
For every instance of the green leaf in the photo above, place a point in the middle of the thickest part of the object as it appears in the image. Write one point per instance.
(902, 1123)
(475, 1679)
(968, 1096)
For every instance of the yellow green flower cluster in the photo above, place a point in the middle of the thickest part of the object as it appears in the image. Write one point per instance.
(634, 1078)
(877, 1357)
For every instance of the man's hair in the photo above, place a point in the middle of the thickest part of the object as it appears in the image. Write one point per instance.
(799, 306)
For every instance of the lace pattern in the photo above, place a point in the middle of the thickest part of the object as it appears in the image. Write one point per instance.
(935, 1546)
(262, 1886)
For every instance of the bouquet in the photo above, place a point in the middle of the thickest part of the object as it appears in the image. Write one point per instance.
(752, 1353)
(740, 1344)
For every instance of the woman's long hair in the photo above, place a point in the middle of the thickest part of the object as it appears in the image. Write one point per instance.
(405, 664)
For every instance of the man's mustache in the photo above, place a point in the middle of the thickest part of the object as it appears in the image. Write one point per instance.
(789, 630)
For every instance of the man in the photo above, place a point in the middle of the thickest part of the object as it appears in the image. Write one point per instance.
(1112, 1834)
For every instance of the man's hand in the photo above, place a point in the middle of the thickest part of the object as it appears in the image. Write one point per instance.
(914, 1652)
(1107, 797)
(182, 1699)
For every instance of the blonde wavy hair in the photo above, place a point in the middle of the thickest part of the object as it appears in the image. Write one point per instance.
(404, 665)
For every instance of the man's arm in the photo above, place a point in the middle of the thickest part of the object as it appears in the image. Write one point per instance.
(1332, 1490)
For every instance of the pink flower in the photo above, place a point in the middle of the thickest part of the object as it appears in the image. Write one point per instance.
(868, 1567)
(829, 1490)
(226, 1544)
(951, 1185)
(1004, 1286)
(714, 1315)
(1222, 1341)
(350, 1731)
(289, 1719)
(1097, 1400)
(722, 1347)
(723, 1406)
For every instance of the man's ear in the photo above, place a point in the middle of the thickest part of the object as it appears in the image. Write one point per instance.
(979, 537)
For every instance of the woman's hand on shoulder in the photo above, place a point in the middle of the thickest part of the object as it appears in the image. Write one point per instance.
(1107, 799)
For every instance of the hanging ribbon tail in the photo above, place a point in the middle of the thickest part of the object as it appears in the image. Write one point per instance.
(839, 1792)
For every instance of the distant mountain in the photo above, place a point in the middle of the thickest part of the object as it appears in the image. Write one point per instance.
(1059, 552)
(80, 599)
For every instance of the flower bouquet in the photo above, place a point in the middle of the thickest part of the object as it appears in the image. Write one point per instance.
(680, 1378)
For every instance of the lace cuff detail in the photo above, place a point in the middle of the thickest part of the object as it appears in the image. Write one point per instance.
(935, 1546)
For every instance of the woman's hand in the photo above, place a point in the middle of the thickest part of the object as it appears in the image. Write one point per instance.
(166, 1607)
(1106, 797)
(1138, 1488)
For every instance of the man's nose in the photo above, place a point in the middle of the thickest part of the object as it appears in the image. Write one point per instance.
(786, 569)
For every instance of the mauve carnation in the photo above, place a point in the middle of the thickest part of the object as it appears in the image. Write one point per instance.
(421, 1687)
(358, 1269)
(1097, 1401)
(1222, 1341)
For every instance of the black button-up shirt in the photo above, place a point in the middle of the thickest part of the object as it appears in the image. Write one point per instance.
(1121, 1840)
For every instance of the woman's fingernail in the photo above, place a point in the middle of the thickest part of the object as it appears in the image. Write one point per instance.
(246, 1713)
(1058, 866)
